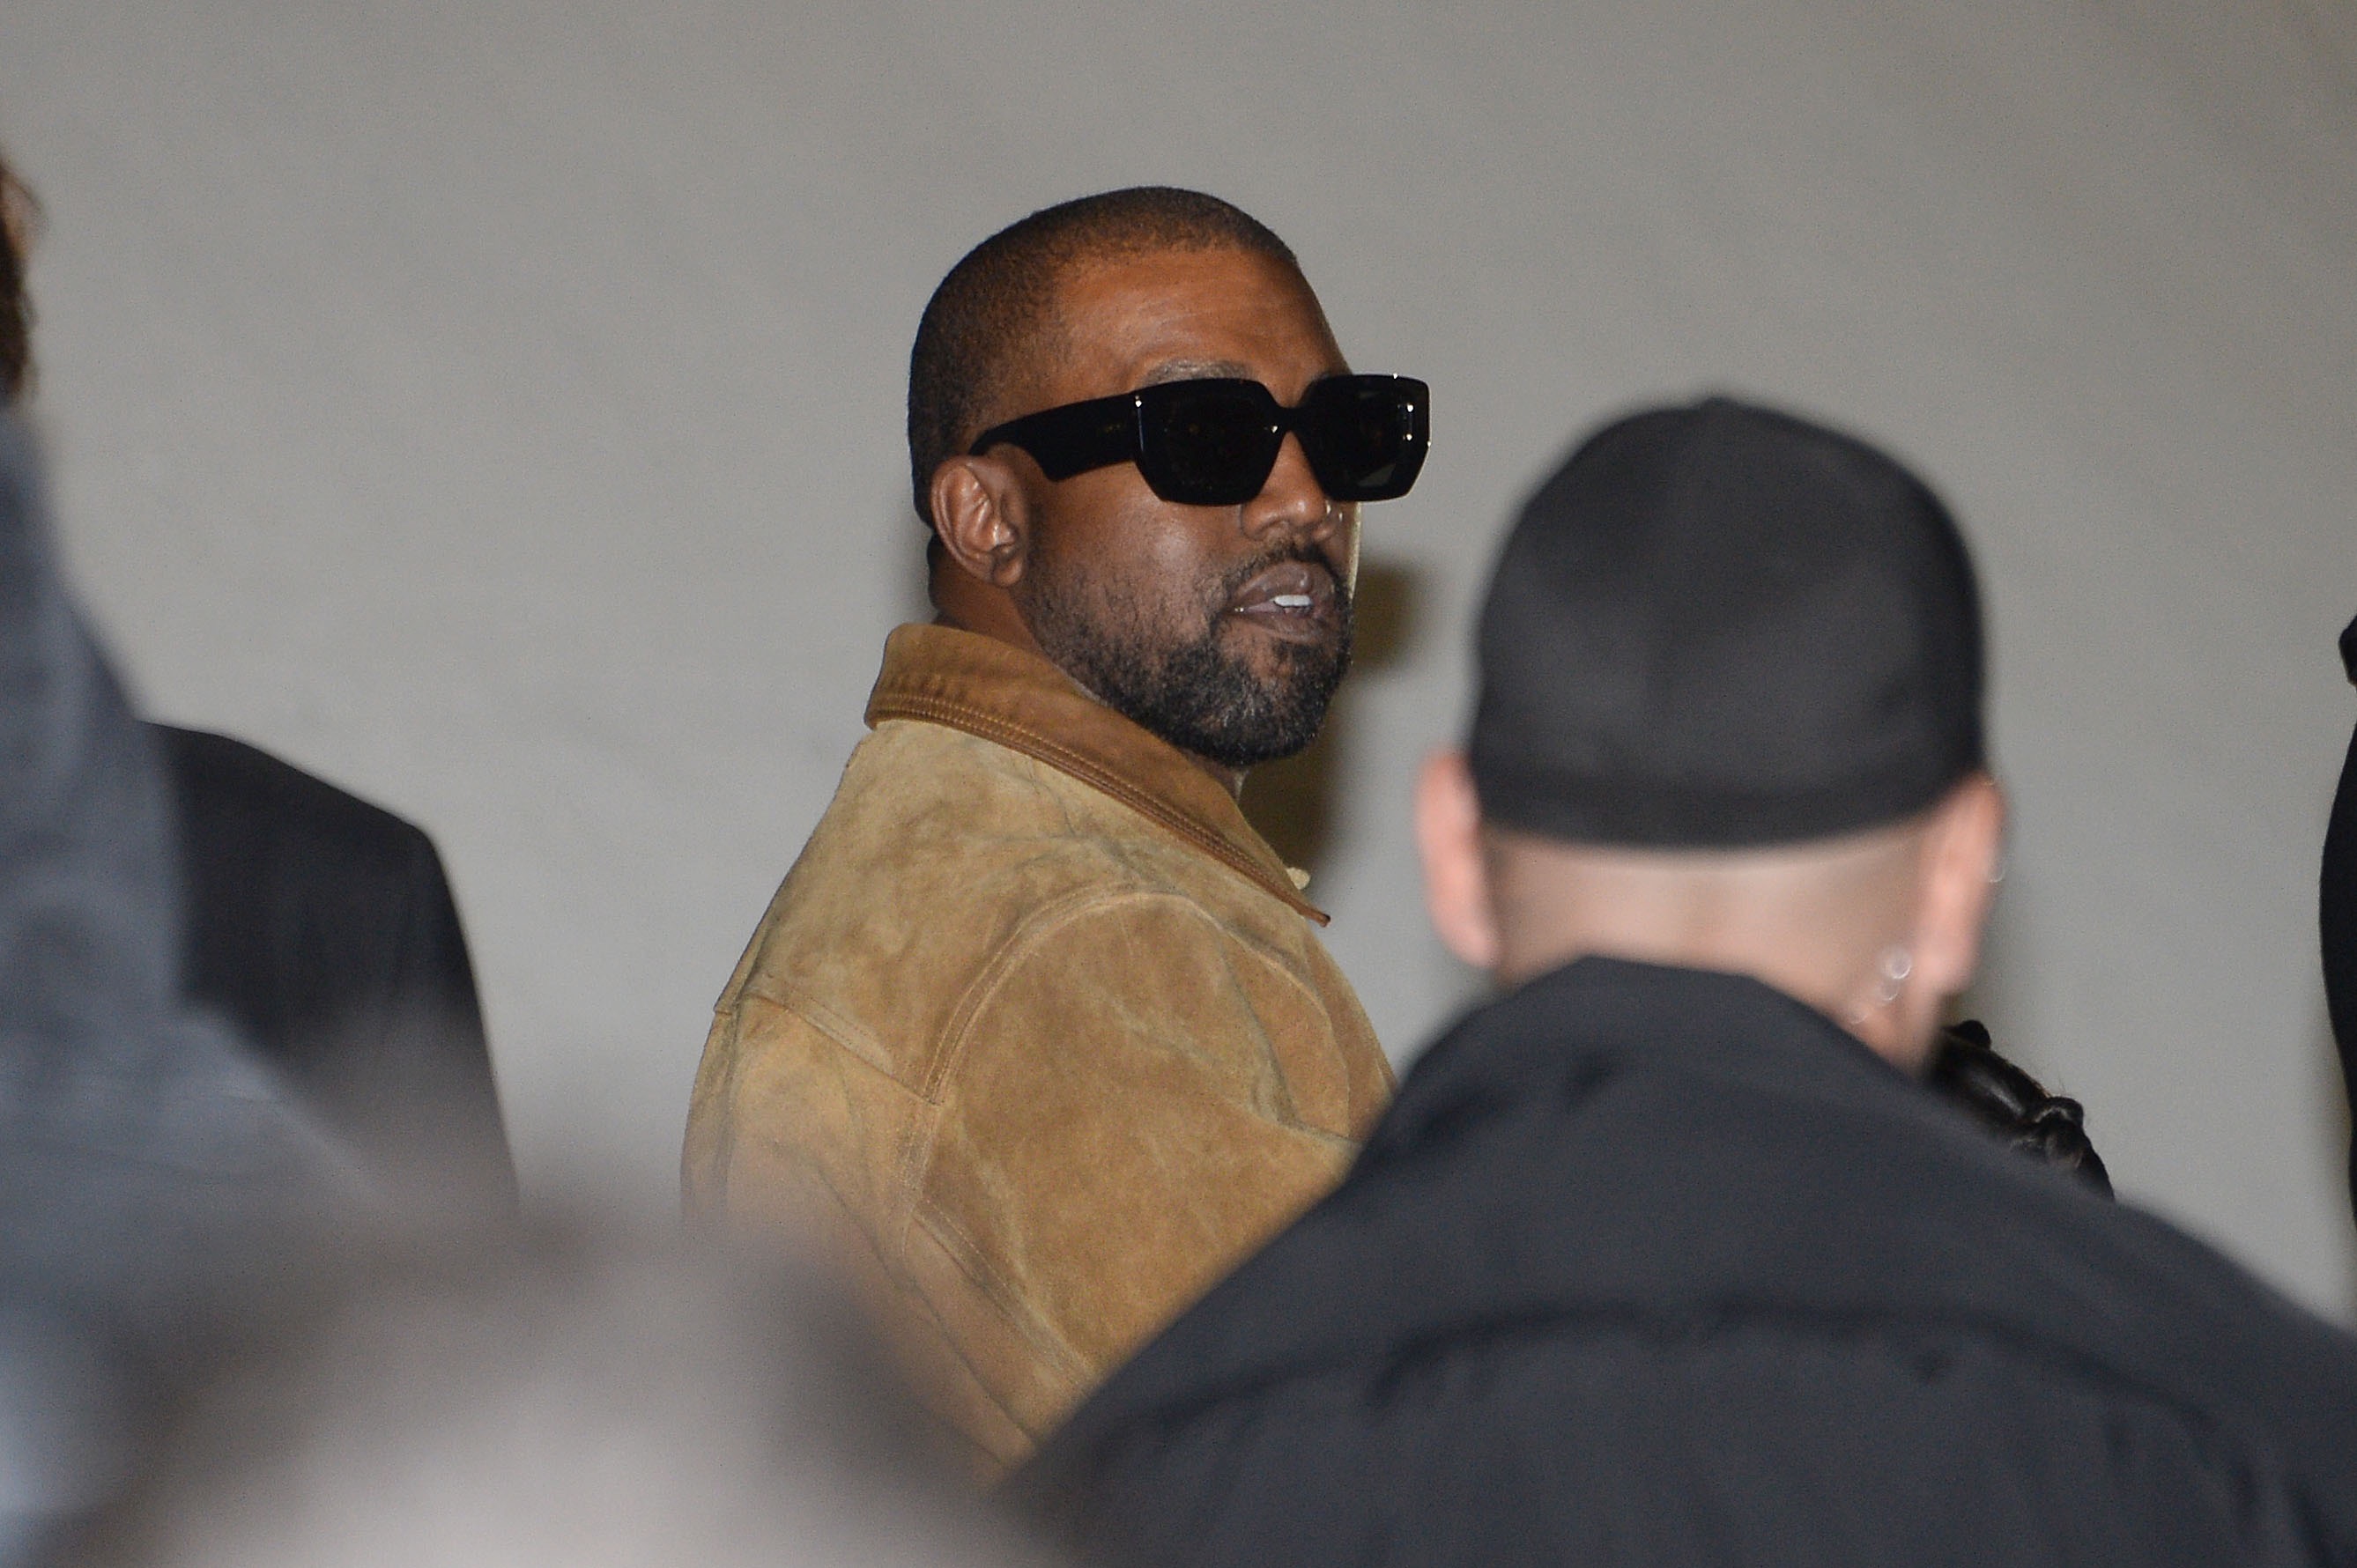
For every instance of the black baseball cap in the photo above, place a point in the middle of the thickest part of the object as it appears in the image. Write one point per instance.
(1721, 626)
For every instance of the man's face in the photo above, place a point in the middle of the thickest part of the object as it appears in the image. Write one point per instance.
(1222, 629)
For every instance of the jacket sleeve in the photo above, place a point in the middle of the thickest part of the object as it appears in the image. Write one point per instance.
(433, 1042)
(794, 1131)
(1134, 1098)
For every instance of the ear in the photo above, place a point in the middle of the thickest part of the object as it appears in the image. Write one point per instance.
(1960, 868)
(1456, 873)
(982, 518)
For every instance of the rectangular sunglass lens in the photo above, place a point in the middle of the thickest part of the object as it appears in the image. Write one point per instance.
(1207, 443)
(1366, 435)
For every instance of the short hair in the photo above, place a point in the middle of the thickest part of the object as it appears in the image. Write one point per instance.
(17, 209)
(997, 301)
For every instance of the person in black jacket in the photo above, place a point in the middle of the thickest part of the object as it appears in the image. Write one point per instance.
(1670, 1256)
(2337, 911)
(319, 927)
(322, 928)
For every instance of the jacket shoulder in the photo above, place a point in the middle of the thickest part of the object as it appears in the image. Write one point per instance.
(944, 859)
(324, 927)
(228, 791)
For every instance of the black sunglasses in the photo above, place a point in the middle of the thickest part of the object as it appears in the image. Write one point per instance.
(1214, 441)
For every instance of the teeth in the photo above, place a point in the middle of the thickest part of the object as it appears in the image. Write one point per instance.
(1290, 601)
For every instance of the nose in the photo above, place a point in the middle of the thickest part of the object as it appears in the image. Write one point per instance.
(1293, 502)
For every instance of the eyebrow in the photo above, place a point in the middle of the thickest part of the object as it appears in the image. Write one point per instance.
(1195, 370)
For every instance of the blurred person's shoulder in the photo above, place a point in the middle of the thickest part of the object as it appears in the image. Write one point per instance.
(324, 929)
(247, 790)
(294, 886)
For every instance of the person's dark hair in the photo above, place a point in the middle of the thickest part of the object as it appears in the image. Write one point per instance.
(995, 304)
(2014, 1106)
(16, 212)
(2337, 909)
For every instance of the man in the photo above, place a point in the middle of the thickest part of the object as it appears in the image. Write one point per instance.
(1036, 1029)
(1667, 1257)
(2337, 911)
(317, 925)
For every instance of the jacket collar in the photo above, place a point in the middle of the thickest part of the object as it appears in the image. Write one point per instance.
(938, 674)
(1692, 1023)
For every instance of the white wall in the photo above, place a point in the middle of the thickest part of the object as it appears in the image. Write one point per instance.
(494, 405)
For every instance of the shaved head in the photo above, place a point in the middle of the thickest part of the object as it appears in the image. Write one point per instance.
(1876, 928)
(1827, 907)
(992, 321)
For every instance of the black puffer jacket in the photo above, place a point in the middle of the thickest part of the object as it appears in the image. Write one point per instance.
(1652, 1266)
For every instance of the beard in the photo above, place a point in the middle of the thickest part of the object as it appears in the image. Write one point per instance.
(1194, 690)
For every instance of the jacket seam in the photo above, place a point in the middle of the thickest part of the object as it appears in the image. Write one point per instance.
(797, 1000)
(957, 1033)
(917, 1145)
(795, 1004)
(902, 1277)
(1048, 918)
(1004, 1297)
(719, 1159)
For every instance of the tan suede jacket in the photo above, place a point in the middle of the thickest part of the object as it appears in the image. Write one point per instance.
(1037, 1028)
